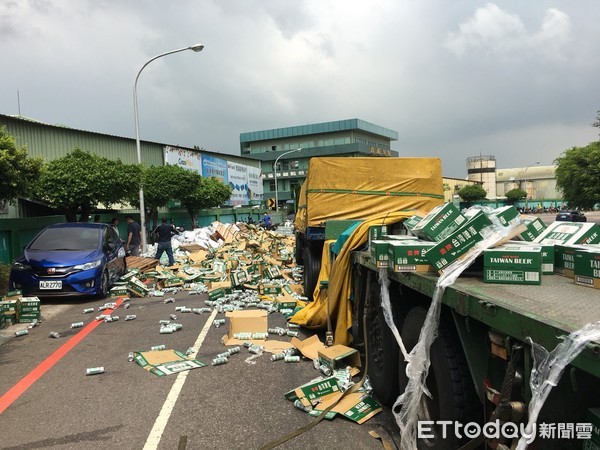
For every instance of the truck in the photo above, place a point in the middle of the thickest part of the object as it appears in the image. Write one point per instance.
(339, 192)
(491, 360)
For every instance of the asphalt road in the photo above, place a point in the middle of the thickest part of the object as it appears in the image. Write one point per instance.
(234, 406)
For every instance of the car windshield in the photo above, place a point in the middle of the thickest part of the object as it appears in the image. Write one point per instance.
(67, 239)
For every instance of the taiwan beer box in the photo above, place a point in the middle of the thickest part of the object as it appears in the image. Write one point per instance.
(377, 232)
(338, 357)
(506, 216)
(441, 221)
(445, 252)
(379, 252)
(409, 256)
(29, 309)
(547, 255)
(513, 264)
(412, 222)
(587, 266)
(574, 233)
(534, 226)
(564, 259)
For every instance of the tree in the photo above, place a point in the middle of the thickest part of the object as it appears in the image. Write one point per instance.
(80, 180)
(472, 193)
(209, 193)
(578, 175)
(164, 183)
(597, 122)
(514, 195)
(18, 172)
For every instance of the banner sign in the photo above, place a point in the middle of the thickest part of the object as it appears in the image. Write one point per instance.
(255, 185)
(215, 168)
(186, 159)
(238, 181)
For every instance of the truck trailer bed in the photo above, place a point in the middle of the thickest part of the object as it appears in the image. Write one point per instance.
(543, 312)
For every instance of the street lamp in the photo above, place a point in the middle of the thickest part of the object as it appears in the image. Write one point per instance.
(196, 48)
(525, 179)
(275, 170)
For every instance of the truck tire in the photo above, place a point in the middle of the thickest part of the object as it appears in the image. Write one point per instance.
(449, 381)
(299, 250)
(312, 266)
(382, 350)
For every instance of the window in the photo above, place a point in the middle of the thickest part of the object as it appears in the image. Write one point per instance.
(294, 165)
(272, 185)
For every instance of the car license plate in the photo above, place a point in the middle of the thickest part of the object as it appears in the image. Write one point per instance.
(50, 284)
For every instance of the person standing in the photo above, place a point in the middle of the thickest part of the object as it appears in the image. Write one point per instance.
(115, 224)
(164, 232)
(134, 237)
(267, 220)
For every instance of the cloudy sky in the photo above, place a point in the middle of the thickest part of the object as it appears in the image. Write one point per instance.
(515, 79)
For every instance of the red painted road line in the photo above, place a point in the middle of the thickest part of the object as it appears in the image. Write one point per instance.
(25, 383)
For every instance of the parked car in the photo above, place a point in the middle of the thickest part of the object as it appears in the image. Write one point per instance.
(571, 216)
(70, 259)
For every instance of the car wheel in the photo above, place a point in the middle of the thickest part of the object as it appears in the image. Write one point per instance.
(103, 291)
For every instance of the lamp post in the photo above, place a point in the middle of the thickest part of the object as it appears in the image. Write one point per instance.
(196, 48)
(525, 179)
(275, 171)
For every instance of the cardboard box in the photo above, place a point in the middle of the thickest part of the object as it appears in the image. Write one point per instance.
(458, 243)
(564, 260)
(238, 277)
(29, 317)
(570, 233)
(339, 357)
(247, 321)
(269, 289)
(29, 305)
(377, 232)
(309, 347)
(440, 223)
(13, 295)
(118, 291)
(136, 287)
(534, 227)
(409, 255)
(166, 362)
(587, 266)
(547, 255)
(513, 264)
(379, 252)
(215, 293)
(356, 406)
(505, 216)
(310, 393)
(412, 222)
(285, 301)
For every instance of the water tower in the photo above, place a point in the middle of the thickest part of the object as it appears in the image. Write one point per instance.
(482, 169)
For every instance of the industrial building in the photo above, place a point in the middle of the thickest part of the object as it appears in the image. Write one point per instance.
(280, 147)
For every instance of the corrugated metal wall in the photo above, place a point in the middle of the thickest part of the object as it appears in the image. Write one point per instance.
(52, 142)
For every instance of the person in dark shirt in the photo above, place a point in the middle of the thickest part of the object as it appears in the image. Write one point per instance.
(134, 237)
(164, 232)
(267, 220)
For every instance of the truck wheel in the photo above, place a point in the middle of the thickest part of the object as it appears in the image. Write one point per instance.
(299, 250)
(382, 349)
(312, 267)
(449, 381)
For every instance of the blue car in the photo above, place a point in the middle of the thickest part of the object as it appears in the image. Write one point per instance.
(70, 259)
